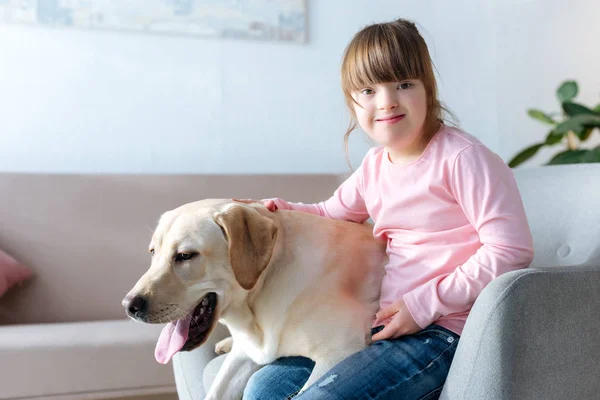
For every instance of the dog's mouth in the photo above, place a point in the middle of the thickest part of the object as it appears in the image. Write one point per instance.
(189, 332)
(202, 322)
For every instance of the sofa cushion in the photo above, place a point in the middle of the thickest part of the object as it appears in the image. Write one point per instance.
(11, 272)
(86, 236)
(62, 359)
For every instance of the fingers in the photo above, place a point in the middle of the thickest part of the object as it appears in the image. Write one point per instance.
(270, 204)
(384, 314)
(385, 333)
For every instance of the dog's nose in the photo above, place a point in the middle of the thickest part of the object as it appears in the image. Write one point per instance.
(136, 306)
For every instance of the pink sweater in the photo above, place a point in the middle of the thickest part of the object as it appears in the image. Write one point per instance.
(453, 221)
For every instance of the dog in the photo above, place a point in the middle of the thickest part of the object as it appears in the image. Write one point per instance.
(284, 283)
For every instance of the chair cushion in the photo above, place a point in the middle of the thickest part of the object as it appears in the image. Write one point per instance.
(211, 370)
(531, 335)
(189, 366)
(562, 207)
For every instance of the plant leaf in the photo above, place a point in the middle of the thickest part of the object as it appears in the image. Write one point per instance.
(554, 138)
(573, 109)
(569, 125)
(586, 134)
(578, 123)
(592, 156)
(540, 116)
(524, 155)
(567, 90)
(568, 157)
(597, 109)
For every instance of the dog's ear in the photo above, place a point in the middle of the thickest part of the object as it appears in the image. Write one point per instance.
(251, 238)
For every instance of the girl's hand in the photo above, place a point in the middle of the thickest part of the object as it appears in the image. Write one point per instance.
(402, 323)
(270, 204)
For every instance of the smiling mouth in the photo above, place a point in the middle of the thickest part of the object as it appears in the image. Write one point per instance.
(392, 120)
(188, 332)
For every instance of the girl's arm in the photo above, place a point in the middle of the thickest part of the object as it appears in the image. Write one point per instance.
(485, 188)
(347, 202)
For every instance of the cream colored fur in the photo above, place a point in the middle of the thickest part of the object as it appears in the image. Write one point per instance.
(316, 297)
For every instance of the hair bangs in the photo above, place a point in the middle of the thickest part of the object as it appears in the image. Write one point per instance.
(376, 55)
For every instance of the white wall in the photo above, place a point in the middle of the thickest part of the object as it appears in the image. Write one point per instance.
(83, 101)
(541, 43)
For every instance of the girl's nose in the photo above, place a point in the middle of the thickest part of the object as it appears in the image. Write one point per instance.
(387, 101)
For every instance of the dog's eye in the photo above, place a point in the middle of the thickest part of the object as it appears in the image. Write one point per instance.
(152, 251)
(184, 256)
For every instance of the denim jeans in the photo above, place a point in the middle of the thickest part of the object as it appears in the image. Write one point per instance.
(410, 367)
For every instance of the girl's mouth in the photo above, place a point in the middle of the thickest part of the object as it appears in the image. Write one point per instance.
(392, 120)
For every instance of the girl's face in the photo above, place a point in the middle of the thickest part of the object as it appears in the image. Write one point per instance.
(393, 114)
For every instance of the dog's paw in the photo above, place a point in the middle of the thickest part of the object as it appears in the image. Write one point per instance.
(224, 346)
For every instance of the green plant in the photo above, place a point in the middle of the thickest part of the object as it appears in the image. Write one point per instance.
(575, 126)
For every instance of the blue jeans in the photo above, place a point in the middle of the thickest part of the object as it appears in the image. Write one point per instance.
(410, 367)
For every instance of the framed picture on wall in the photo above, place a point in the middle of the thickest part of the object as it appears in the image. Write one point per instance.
(277, 20)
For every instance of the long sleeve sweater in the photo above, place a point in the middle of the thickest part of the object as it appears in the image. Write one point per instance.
(453, 220)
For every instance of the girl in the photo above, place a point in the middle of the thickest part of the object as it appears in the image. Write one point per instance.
(448, 207)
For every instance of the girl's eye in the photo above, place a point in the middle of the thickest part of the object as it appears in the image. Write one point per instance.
(367, 92)
(184, 256)
(405, 85)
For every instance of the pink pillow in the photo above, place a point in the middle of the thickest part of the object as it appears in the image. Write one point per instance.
(11, 272)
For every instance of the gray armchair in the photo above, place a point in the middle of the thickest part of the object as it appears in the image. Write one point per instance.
(531, 333)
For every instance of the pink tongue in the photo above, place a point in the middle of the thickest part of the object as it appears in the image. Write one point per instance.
(171, 340)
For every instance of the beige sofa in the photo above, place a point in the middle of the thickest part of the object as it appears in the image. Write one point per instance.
(63, 334)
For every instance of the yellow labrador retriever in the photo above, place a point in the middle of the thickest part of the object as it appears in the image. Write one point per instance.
(284, 283)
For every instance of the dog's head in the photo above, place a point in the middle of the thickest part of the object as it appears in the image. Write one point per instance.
(204, 254)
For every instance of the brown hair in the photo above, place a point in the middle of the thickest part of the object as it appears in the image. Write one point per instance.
(390, 52)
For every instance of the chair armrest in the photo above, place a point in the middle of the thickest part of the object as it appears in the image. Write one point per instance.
(532, 334)
(188, 367)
